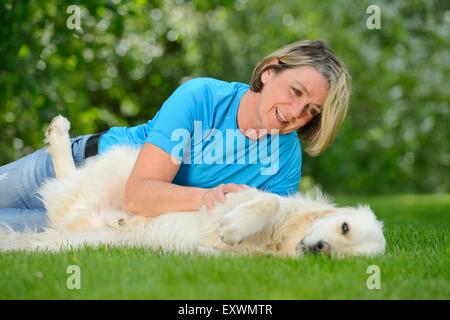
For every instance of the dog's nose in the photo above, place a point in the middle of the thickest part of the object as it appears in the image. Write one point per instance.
(321, 246)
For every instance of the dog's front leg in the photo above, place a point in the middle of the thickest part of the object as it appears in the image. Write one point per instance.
(249, 217)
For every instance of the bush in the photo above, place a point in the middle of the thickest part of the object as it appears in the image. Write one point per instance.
(129, 56)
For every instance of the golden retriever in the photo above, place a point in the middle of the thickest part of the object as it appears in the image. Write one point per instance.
(84, 208)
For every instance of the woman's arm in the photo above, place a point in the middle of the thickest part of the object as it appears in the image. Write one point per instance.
(149, 191)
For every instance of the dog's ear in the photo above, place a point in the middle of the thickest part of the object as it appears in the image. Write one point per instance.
(294, 224)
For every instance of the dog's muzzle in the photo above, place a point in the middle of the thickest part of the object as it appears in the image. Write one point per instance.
(319, 247)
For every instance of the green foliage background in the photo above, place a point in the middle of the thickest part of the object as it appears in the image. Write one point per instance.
(130, 55)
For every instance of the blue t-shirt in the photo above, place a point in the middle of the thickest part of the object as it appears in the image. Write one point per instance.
(197, 125)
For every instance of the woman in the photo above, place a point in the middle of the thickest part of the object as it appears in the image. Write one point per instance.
(210, 138)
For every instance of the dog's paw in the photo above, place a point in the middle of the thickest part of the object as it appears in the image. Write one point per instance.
(248, 218)
(230, 233)
(58, 126)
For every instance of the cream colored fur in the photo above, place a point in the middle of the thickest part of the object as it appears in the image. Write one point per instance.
(84, 208)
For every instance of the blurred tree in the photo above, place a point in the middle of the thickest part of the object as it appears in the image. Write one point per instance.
(129, 56)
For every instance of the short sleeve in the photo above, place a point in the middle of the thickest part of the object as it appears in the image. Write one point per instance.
(173, 125)
(286, 182)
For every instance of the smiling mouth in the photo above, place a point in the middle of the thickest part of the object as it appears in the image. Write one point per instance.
(280, 116)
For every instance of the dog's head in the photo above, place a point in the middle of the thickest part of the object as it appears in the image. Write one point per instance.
(347, 232)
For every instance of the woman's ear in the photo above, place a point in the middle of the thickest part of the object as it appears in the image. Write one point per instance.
(268, 73)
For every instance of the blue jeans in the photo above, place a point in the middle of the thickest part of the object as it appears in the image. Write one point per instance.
(20, 205)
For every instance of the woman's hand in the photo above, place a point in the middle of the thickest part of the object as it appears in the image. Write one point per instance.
(217, 195)
(150, 192)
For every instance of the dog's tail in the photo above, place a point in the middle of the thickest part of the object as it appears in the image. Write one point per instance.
(52, 239)
(28, 239)
(58, 139)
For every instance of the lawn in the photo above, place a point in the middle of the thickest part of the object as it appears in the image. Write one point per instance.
(415, 266)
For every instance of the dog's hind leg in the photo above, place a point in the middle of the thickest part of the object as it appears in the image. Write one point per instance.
(58, 139)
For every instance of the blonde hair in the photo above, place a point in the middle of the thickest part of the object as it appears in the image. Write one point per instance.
(321, 131)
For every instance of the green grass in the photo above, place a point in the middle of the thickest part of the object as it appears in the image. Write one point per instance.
(415, 266)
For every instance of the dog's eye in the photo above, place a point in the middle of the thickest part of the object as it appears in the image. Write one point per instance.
(345, 228)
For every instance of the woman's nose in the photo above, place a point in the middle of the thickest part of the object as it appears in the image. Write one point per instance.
(297, 109)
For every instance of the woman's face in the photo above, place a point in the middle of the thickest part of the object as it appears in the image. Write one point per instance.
(290, 99)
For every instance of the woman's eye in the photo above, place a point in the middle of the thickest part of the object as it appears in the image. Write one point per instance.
(314, 110)
(345, 228)
(297, 92)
